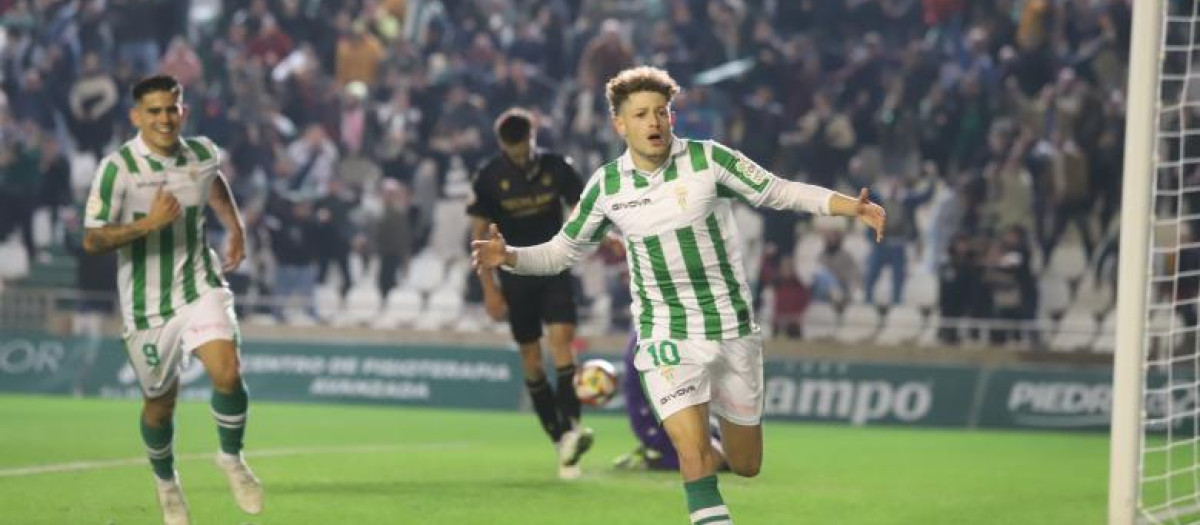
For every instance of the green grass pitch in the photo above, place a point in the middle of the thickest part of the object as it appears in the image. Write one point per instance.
(347, 465)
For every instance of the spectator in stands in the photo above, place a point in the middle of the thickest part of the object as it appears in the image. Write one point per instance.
(960, 286)
(1067, 172)
(20, 185)
(54, 172)
(846, 79)
(312, 157)
(827, 137)
(838, 276)
(333, 232)
(460, 130)
(359, 55)
(791, 299)
(290, 225)
(1009, 277)
(92, 100)
(903, 195)
(134, 29)
(1009, 185)
(181, 62)
(392, 234)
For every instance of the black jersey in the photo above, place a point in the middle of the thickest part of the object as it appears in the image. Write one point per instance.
(527, 205)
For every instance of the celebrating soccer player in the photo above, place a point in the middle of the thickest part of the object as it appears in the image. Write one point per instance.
(524, 191)
(699, 348)
(147, 202)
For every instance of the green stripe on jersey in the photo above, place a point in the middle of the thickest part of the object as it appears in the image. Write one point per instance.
(729, 162)
(180, 160)
(601, 230)
(107, 181)
(695, 270)
(672, 172)
(585, 209)
(720, 518)
(130, 164)
(201, 152)
(696, 152)
(191, 232)
(662, 277)
(155, 165)
(728, 193)
(640, 181)
(166, 269)
(731, 282)
(210, 274)
(645, 321)
(137, 254)
(612, 178)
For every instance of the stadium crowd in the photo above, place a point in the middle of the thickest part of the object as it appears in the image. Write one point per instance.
(987, 128)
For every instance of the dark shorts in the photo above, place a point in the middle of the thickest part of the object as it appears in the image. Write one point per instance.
(534, 300)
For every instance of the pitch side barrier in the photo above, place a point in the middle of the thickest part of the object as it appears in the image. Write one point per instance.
(479, 377)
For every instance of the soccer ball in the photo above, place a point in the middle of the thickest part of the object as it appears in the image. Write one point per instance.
(596, 382)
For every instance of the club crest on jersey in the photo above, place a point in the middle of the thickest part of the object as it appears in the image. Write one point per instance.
(504, 184)
(747, 167)
(546, 181)
(668, 373)
(681, 195)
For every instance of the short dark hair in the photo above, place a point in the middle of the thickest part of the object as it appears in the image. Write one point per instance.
(636, 80)
(154, 83)
(514, 126)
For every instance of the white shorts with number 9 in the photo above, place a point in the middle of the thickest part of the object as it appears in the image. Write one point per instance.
(726, 374)
(159, 353)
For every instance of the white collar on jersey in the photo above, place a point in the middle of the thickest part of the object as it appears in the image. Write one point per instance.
(141, 148)
(625, 161)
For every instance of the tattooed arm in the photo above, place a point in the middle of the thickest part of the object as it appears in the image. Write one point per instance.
(163, 211)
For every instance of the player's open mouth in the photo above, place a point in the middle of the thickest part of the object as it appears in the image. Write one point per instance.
(656, 139)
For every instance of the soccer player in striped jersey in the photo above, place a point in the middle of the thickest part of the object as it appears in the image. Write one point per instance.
(147, 203)
(699, 349)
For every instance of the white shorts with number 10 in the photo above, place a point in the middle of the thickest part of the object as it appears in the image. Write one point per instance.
(726, 374)
(159, 353)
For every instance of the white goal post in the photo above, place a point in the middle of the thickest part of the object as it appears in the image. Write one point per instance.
(1155, 447)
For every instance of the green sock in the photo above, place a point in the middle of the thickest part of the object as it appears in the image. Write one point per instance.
(158, 447)
(230, 413)
(705, 505)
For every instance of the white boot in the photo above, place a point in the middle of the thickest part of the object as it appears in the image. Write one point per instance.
(247, 490)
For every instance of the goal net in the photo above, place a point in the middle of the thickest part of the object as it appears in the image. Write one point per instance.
(1155, 447)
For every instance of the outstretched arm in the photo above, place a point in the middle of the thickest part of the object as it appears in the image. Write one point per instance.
(871, 214)
(493, 300)
(739, 174)
(220, 198)
(548, 258)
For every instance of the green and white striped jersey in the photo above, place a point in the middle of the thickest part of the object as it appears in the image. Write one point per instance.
(686, 271)
(171, 267)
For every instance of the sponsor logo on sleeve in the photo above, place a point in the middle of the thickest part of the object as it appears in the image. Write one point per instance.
(753, 172)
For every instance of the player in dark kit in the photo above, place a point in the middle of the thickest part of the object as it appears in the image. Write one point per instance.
(525, 192)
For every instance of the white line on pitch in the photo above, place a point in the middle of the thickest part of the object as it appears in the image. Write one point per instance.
(76, 466)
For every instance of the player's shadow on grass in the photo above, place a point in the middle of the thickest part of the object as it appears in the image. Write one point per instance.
(456, 487)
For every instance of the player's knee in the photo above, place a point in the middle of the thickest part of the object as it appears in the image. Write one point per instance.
(696, 455)
(158, 412)
(226, 379)
(746, 469)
